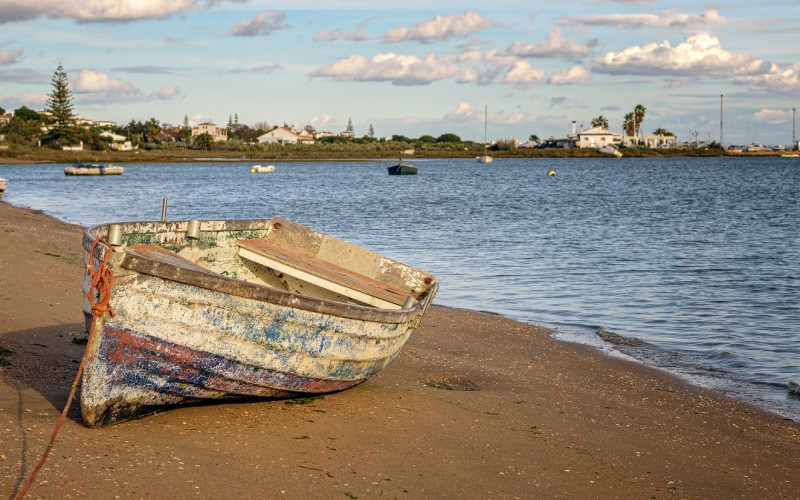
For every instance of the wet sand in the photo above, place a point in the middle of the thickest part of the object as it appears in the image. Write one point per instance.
(475, 406)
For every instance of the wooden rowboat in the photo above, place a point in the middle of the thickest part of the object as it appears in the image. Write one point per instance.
(227, 309)
(93, 169)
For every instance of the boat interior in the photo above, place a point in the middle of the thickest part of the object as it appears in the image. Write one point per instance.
(276, 253)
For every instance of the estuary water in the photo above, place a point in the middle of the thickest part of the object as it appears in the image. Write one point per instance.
(699, 259)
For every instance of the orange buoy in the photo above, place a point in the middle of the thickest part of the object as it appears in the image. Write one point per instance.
(551, 172)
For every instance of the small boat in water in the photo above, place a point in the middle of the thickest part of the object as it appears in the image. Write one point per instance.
(257, 169)
(3, 184)
(609, 150)
(93, 169)
(215, 310)
(790, 155)
(485, 158)
(403, 169)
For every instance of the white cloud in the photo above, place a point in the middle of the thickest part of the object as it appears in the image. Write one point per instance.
(523, 74)
(95, 10)
(390, 67)
(572, 76)
(441, 27)
(773, 116)
(263, 24)
(463, 111)
(318, 121)
(10, 56)
(331, 36)
(675, 83)
(481, 76)
(698, 55)
(197, 119)
(665, 19)
(36, 101)
(555, 45)
(466, 113)
(88, 81)
(354, 36)
(262, 68)
(781, 81)
(166, 93)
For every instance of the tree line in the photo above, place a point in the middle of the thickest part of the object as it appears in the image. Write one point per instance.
(57, 126)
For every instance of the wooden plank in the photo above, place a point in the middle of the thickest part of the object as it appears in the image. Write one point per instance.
(322, 273)
(149, 262)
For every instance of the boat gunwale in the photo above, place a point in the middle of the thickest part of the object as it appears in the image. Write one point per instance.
(216, 282)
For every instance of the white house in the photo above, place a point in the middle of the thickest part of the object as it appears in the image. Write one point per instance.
(305, 137)
(118, 142)
(651, 141)
(280, 135)
(597, 137)
(216, 133)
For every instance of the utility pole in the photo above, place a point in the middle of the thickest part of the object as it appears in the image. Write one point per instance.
(721, 143)
(794, 141)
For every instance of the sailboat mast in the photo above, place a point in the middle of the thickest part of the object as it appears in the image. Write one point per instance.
(485, 119)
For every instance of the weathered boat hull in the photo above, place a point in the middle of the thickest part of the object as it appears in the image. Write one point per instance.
(94, 170)
(184, 336)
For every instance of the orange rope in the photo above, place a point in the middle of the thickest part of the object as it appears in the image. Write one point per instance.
(102, 279)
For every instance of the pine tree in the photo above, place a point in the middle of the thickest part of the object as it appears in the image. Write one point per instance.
(350, 129)
(59, 105)
(371, 131)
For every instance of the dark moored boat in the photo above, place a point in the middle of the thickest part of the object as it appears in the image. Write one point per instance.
(403, 169)
(210, 310)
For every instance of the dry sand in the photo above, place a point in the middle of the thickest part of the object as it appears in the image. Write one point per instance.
(476, 406)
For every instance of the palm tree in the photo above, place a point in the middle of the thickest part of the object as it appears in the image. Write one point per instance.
(628, 125)
(638, 113)
(662, 131)
(600, 121)
(203, 141)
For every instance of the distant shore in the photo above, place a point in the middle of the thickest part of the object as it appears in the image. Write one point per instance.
(475, 406)
(43, 155)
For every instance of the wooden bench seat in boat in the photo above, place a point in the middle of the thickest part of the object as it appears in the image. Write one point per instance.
(301, 265)
(161, 256)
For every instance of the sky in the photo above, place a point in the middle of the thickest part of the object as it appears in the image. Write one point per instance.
(415, 67)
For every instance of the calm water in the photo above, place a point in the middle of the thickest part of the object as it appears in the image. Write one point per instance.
(700, 258)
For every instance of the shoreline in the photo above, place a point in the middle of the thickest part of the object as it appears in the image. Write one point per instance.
(45, 156)
(548, 419)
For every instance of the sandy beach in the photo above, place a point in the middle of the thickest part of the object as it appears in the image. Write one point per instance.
(475, 406)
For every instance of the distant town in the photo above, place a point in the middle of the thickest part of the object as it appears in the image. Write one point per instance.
(57, 127)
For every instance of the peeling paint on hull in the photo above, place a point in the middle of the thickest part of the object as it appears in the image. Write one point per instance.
(183, 334)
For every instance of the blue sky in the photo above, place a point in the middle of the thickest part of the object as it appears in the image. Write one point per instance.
(417, 69)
